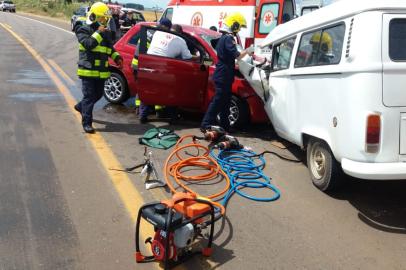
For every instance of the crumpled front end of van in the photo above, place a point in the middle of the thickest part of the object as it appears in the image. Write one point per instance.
(256, 75)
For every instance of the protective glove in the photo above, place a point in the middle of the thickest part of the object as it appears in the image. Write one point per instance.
(119, 62)
(250, 50)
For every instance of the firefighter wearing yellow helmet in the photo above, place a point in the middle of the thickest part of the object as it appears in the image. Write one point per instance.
(95, 47)
(322, 48)
(234, 22)
(223, 76)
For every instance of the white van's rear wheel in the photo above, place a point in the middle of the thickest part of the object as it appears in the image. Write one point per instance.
(324, 169)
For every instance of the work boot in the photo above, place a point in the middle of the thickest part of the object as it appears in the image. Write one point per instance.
(88, 129)
(143, 120)
(175, 120)
(77, 108)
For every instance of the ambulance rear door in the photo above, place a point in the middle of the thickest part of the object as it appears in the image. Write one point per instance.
(271, 13)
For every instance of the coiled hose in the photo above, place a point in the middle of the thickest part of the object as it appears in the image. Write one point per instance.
(177, 163)
(239, 168)
(245, 170)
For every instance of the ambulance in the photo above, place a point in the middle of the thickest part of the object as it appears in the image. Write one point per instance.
(309, 5)
(262, 15)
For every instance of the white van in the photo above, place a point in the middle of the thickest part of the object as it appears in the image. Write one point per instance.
(337, 86)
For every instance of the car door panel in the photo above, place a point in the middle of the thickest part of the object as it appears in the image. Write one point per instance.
(169, 81)
(174, 82)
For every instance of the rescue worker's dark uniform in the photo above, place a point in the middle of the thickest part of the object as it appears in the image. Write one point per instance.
(223, 78)
(94, 50)
(143, 108)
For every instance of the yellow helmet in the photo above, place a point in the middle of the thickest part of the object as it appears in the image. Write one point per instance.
(235, 21)
(325, 40)
(98, 10)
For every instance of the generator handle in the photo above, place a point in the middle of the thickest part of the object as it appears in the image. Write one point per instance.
(139, 257)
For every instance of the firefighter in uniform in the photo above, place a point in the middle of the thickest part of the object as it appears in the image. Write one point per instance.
(223, 76)
(95, 47)
(144, 109)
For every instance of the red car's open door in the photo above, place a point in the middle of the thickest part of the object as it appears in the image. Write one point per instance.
(169, 81)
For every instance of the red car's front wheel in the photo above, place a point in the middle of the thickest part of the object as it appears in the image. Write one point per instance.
(115, 89)
(239, 112)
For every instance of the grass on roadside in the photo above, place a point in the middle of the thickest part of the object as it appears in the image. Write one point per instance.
(49, 8)
(57, 8)
(150, 16)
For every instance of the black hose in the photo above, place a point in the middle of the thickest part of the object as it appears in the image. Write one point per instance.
(279, 156)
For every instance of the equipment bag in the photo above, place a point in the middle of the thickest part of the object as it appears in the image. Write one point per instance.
(159, 138)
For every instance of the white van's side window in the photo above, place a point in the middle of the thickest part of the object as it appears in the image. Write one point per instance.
(397, 39)
(282, 54)
(322, 47)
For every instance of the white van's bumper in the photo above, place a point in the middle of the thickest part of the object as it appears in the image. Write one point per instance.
(375, 171)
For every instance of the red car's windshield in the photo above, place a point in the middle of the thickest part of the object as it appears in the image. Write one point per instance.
(209, 38)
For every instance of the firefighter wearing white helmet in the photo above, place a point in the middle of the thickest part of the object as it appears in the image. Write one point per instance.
(95, 47)
(223, 76)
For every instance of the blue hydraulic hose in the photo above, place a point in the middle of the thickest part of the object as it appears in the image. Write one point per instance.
(244, 168)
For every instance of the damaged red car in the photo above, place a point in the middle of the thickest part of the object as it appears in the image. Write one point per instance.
(186, 84)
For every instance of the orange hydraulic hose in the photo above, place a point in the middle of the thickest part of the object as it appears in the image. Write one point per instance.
(174, 167)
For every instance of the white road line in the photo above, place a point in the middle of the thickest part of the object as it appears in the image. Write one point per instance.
(50, 25)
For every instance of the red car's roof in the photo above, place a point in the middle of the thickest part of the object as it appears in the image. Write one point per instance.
(190, 29)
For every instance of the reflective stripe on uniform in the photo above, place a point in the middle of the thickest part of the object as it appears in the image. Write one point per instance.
(97, 37)
(93, 73)
(134, 62)
(104, 75)
(137, 102)
(106, 64)
(96, 63)
(158, 107)
(88, 73)
(100, 49)
(115, 55)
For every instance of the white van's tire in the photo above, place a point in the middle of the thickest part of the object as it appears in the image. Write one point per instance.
(115, 89)
(324, 169)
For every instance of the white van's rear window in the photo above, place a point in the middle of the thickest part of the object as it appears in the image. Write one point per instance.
(397, 39)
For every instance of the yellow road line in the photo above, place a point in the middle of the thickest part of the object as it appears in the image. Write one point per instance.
(129, 195)
(61, 72)
(7, 25)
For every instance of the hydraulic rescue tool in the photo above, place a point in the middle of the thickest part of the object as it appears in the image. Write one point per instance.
(148, 170)
(183, 220)
(228, 142)
(178, 222)
(218, 136)
(213, 133)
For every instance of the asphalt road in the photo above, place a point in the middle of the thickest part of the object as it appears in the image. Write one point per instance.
(62, 206)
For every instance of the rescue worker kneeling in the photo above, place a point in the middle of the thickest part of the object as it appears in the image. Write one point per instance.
(95, 47)
(223, 76)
